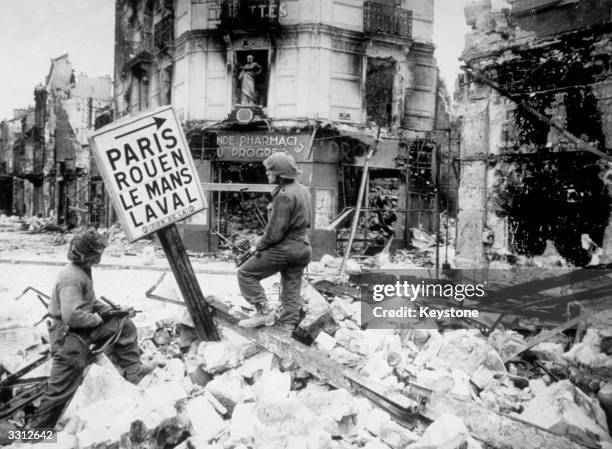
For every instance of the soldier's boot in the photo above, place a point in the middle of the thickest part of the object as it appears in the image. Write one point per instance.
(283, 329)
(263, 317)
(144, 369)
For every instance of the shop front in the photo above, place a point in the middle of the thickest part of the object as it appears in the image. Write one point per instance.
(233, 177)
(234, 180)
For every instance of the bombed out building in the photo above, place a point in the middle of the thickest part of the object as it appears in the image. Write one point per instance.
(535, 107)
(45, 150)
(318, 79)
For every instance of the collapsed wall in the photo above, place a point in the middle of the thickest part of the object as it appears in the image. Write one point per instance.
(524, 186)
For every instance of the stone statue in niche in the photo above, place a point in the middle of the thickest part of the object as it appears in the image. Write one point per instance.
(247, 75)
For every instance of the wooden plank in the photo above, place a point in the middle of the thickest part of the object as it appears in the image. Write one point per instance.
(543, 336)
(360, 196)
(339, 219)
(538, 285)
(180, 264)
(228, 187)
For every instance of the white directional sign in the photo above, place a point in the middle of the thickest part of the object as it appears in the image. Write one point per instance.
(149, 172)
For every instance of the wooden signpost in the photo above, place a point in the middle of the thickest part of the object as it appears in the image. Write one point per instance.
(153, 183)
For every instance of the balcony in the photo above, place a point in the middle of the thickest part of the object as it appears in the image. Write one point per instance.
(164, 33)
(384, 19)
(139, 52)
(249, 14)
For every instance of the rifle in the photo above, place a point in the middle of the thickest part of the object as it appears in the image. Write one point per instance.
(246, 256)
(117, 310)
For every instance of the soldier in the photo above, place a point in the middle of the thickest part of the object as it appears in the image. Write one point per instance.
(283, 248)
(78, 321)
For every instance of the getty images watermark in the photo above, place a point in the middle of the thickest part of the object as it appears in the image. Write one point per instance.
(415, 299)
(410, 302)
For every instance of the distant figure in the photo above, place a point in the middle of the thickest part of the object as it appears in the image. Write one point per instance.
(247, 81)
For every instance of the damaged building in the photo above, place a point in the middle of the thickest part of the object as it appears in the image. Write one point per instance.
(45, 149)
(534, 107)
(317, 79)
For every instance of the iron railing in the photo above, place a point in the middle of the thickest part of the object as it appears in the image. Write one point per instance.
(381, 18)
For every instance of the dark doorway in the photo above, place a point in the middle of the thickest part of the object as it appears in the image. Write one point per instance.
(6, 195)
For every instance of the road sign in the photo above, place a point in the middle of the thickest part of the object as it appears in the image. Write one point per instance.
(148, 171)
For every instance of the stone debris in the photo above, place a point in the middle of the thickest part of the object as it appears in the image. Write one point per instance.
(220, 356)
(318, 314)
(273, 386)
(448, 432)
(232, 395)
(466, 351)
(325, 342)
(129, 411)
(205, 421)
(230, 389)
(254, 367)
(564, 409)
(548, 352)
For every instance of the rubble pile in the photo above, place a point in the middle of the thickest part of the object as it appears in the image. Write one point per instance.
(469, 366)
(232, 395)
(10, 222)
(250, 399)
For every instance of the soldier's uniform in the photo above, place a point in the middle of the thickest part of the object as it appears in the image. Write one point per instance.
(76, 323)
(284, 247)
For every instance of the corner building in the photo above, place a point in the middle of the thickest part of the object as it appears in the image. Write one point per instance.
(314, 78)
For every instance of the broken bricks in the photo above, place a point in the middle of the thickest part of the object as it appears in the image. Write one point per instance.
(565, 410)
(219, 356)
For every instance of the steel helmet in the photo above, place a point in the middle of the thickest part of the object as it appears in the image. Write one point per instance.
(86, 246)
(281, 164)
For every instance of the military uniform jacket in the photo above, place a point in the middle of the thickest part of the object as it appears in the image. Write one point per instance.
(288, 215)
(73, 299)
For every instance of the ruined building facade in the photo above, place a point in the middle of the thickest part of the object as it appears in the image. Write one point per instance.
(45, 149)
(528, 188)
(314, 78)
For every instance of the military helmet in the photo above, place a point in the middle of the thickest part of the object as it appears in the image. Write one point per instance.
(86, 246)
(282, 164)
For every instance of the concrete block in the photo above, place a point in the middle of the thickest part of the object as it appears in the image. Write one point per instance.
(564, 409)
(273, 386)
(230, 389)
(205, 421)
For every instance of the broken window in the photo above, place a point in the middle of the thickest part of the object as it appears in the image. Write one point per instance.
(570, 200)
(382, 213)
(549, 176)
(380, 75)
(240, 217)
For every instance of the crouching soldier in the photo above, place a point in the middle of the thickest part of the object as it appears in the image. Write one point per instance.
(79, 320)
(283, 248)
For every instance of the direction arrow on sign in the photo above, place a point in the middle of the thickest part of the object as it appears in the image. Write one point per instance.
(157, 121)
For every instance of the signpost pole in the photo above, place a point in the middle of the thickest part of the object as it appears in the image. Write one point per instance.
(185, 278)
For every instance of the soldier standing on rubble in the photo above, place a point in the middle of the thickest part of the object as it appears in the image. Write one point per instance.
(79, 320)
(283, 248)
